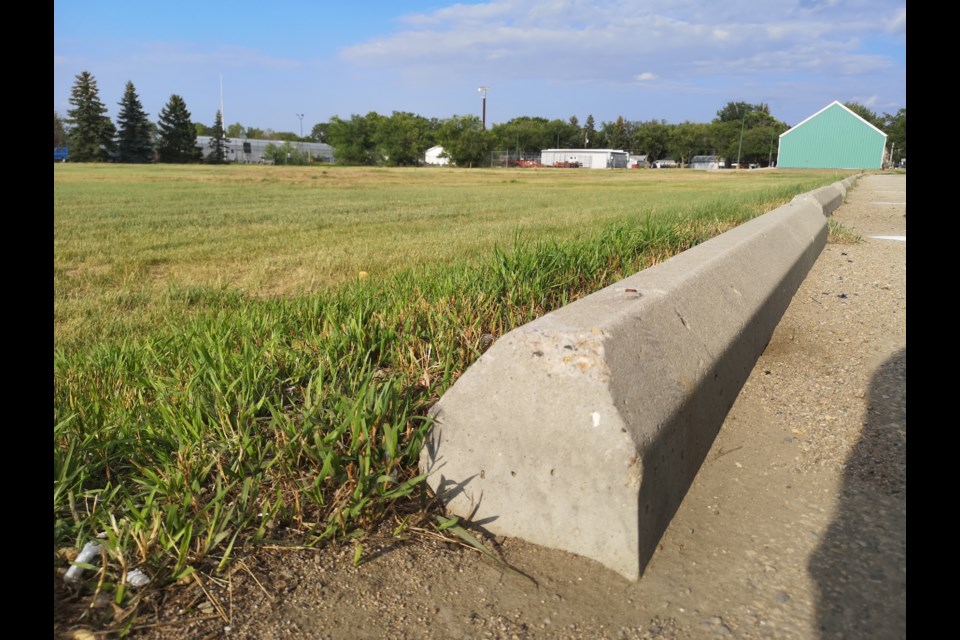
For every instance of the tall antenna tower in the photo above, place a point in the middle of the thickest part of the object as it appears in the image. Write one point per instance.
(223, 118)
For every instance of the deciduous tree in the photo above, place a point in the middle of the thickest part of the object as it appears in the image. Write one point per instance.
(651, 138)
(864, 112)
(354, 140)
(524, 134)
(895, 126)
(743, 131)
(465, 141)
(286, 153)
(319, 132)
(236, 130)
(135, 135)
(402, 138)
(690, 139)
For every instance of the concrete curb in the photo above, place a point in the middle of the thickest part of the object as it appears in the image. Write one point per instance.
(584, 429)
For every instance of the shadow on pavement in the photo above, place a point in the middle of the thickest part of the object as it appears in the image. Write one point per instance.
(860, 567)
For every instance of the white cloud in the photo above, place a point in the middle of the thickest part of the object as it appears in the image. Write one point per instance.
(575, 41)
(540, 57)
(899, 22)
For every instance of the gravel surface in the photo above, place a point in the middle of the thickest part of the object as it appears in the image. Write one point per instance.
(795, 526)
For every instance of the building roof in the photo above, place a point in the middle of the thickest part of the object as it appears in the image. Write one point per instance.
(842, 106)
(584, 150)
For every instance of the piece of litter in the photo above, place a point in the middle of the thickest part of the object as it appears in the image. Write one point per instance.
(137, 578)
(90, 551)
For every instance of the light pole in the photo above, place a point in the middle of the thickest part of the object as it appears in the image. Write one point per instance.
(743, 121)
(483, 92)
(300, 115)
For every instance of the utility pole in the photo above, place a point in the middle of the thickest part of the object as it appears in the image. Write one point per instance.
(300, 115)
(743, 121)
(483, 92)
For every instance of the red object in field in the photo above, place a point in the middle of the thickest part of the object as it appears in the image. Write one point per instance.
(528, 163)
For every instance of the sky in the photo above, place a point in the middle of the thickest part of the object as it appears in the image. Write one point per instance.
(672, 60)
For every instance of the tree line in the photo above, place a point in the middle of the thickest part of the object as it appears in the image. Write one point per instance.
(741, 131)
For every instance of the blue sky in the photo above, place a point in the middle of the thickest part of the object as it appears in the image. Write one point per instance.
(673, 60)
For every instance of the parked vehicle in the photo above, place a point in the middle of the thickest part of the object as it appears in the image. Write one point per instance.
(60, 154)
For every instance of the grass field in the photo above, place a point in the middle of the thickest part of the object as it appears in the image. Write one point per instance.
(224, 374)
(145, 240)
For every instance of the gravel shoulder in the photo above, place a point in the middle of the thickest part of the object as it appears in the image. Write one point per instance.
(795, 526)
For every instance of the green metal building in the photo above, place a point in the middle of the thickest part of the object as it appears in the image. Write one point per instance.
(833, 138)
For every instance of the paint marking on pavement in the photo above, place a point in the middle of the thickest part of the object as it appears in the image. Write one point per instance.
(896, 203)
(897, 238)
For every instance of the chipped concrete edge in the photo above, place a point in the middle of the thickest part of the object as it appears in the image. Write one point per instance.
(583, 429)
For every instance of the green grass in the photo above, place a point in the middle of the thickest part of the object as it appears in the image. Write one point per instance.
(135, 245)
(221, 375)
(839, 234)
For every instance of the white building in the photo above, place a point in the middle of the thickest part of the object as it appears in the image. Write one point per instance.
(666, 163)
(432, 156)
(586, 158)
(252, 151)
(705, 162)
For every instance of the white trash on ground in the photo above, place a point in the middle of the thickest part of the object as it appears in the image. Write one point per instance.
(137, 578)
(90, 551)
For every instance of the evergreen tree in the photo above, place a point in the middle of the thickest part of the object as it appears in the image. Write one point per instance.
(589, 133)
(135, 141)
(92, 132)
(616, 134)
(178, 137)
(218, 142)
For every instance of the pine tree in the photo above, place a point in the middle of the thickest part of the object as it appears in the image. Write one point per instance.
(134, 139)
(589, 133)
(218, 142)
(178, 136)
(91, 137)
